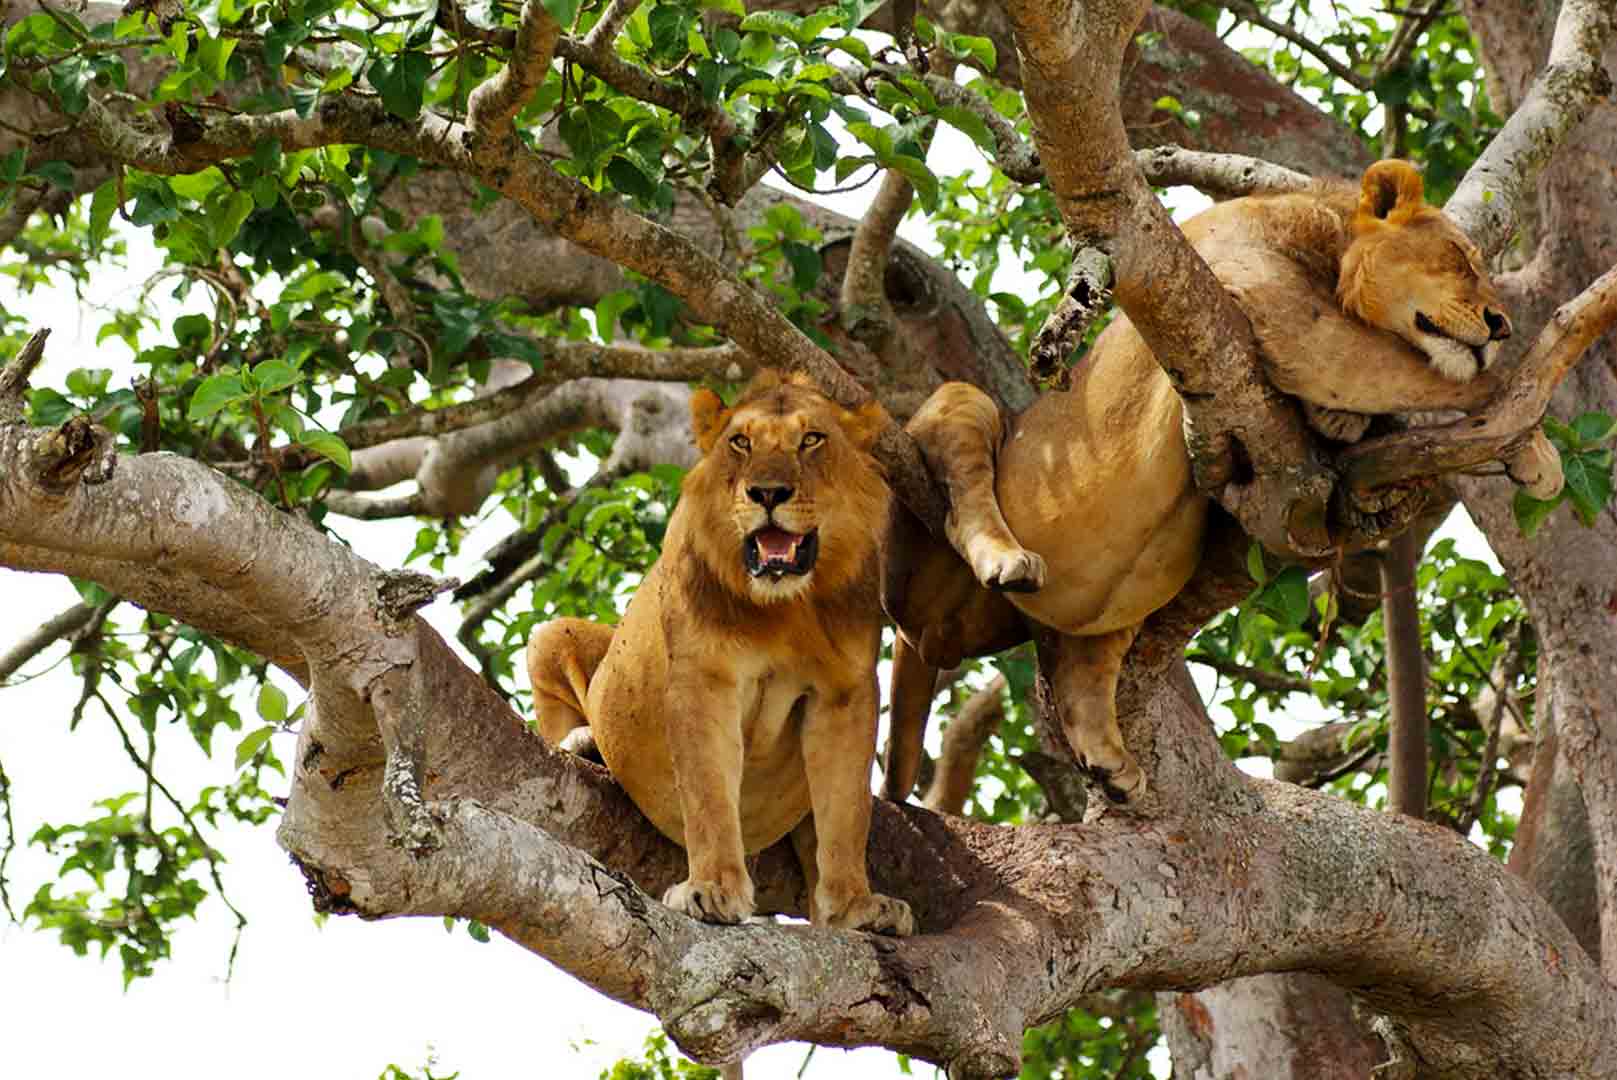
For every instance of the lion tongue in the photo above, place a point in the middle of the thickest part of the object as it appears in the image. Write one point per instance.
(777, 545)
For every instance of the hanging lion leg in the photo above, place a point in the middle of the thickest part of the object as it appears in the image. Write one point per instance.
(562, 656)
(1083, 673)
(959, 431)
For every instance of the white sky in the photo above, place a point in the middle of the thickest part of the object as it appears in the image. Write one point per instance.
(342, 1000)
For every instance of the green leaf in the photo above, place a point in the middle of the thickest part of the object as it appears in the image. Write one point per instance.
(805, 262)
(252, 744)
(477, 930)
(916, 172)
(402, 82)
(1254, 563)
(102, 206)
(1593, 427)
(970, 124)
(58, 174)
(625, 176)
(1588, 484)
(330, 446)
(563, 11)
(273, 375)
(215, 393)
(591, 131)
(225, 223)
(1286, 597)
(967, 47)
(272, 703)
(1530, 513)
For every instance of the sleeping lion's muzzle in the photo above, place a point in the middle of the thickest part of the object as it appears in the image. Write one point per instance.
(775, 552)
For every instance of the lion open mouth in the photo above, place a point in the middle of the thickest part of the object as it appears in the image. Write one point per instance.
(774, 551)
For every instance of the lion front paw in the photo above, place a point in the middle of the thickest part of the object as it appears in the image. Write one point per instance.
(1123, 785)
(1336, 424)
(875, 913)
(711, 901)
(1005, 567)
(580, 742)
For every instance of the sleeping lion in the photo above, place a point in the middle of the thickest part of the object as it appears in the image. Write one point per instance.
(736, 701)
(1081, 512)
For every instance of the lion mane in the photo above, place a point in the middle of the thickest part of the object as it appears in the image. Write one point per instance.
(736, 702)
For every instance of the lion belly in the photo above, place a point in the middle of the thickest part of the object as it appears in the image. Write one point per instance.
(1097, 481)
(630, 701)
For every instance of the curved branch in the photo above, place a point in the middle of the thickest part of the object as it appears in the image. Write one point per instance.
(1489, 201)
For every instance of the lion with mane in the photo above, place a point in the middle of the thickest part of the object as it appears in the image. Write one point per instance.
(736, 702)
(1081, 513)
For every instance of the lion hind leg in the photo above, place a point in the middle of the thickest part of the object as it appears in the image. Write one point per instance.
(1084, 678)
(562, 657)
(959, 431)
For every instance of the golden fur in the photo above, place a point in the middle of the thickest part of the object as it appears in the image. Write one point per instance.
(1082, 510)
(738, 707)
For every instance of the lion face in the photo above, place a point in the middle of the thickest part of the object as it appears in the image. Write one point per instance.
(790, 499)
(1409, 269)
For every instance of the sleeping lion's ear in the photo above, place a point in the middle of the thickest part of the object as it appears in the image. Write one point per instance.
(1392, 191)
(708, 417)
(864, 424)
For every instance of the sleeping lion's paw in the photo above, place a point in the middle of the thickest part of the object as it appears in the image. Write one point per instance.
(876, 913)
(1337, 424)
(710, 901)
(1005, 567)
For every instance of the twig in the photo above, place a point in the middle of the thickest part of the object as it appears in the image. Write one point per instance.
(48, 633)
(1487, 768)
(208, 853)
(375, 508)
(1252, 15)
(10, 844)
(14, 376)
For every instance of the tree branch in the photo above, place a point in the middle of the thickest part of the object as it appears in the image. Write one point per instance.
(1406, 677)
(1489, 201)
(66, 624)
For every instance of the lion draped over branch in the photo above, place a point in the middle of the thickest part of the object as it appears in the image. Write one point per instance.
(1081, 513)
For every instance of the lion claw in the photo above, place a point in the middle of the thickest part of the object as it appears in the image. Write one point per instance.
(876, 914)
(709, 901)
(1007, 569)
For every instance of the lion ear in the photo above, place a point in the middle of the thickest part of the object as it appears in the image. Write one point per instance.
(865, 424)
(1392, 191)
(708, 417)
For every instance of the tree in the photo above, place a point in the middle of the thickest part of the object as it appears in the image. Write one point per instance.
(420, 232)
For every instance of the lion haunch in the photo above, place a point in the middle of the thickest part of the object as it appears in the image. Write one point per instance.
(1081, 515)
(736, 702)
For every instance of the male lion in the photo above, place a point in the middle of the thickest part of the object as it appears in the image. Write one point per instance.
(736, 701)
(1084, 507)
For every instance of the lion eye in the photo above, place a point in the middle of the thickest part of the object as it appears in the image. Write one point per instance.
(812, 439)
(741, 443)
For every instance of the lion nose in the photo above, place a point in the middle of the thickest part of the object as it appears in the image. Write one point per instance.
(1498, 324)
(769, 497)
